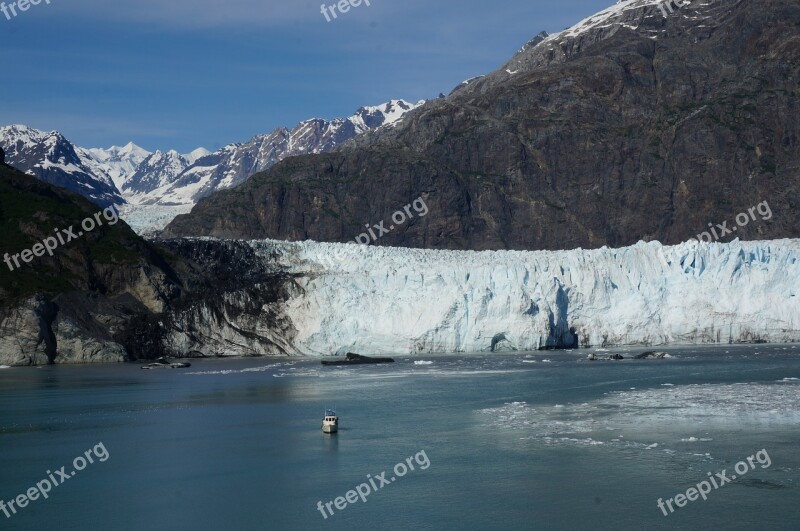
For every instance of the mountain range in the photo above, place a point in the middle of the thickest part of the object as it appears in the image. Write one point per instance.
(151, 188)
(233, 164)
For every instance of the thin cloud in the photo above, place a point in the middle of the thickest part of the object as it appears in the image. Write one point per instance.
(199, 13)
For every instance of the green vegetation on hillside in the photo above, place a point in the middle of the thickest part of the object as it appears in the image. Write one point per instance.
(30, 211)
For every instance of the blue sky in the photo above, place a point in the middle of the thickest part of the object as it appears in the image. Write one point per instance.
(186, 73)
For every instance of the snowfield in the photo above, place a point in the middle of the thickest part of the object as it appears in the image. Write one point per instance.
(383, 300)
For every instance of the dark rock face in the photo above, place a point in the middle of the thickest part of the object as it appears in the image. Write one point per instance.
(231, 306)
(72, 306)
(2, 156)
(605, 138)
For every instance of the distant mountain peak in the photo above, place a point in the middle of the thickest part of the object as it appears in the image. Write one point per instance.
(118, 163)
(542, 36)
(157, 170)
(197, 154)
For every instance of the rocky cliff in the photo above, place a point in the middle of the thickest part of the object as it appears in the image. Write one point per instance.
(72, 305)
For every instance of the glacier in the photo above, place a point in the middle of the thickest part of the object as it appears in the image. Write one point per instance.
(385, 300)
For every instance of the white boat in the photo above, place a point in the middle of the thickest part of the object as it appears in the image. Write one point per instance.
(330, 422)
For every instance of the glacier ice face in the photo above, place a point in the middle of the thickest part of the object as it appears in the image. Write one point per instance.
(383, 300)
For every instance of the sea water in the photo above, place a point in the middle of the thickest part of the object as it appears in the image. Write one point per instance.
(543, 440)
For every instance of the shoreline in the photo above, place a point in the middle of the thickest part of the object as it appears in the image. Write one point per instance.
(622, 349)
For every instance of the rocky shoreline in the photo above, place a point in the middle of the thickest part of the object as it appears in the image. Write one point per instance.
(113, 359)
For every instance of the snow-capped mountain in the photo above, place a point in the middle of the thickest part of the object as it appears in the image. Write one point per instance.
(117, 175)
(119, 163)
(136, 171)
(235, 163)
(197, 154)
(53, 159)
(157, 170)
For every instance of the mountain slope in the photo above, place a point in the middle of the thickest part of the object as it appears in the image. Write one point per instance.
(71, 306)
(629, 126)
(157, 170)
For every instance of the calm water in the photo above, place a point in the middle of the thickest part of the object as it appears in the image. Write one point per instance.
(513, 442)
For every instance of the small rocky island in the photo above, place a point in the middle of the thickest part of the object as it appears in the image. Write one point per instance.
(357, 359)
(611, 357)
(649, 355)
